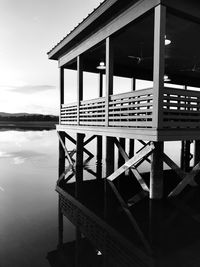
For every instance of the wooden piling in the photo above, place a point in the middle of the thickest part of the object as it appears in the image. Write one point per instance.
(110, 155)
(196, 152)
(121, 160)
(99, 157)
(60, 223)
(79, 163)
(156, 174)
(185, 155)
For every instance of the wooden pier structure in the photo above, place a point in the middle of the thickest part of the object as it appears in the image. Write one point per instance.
(153, 43)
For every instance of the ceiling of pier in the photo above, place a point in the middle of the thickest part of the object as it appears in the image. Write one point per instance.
(133, 50)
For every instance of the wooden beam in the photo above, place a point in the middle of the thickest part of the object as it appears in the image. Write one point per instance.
(122, 142)
(60, 136)
(74, 142)
(61, 69)
(130, 217)
(110, 155)
(100, 84)
(132, 169)
(185, 155)
(144, 153)
(109, 77)
(99, 157)
(196, 151)
(127, 16)
(60, 223)
(188, 178)
(156, 174)
(79, 85)
(79, 164)
(158, 64)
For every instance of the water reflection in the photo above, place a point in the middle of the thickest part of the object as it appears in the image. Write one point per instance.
(28, 202)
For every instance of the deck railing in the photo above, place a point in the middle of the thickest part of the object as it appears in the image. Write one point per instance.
(133, 109)
(181, 108)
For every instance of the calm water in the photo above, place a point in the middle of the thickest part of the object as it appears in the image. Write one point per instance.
(29, 208)
(28, 201)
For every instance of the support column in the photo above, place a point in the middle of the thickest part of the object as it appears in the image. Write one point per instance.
(156, 174)
(61, 90)
(79, 163)
(158, 64)
(79, 85)
(109, 77)
(99, 157)
(110, 155)
(61, 169)
(60, 223)
(121, 160)
(132, 141)
(109, 91)
(185, 155)
(99, 138)
(196, 152)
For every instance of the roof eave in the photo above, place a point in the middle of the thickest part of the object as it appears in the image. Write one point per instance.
(53, 53)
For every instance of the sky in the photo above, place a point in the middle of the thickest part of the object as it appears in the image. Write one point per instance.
(29, 29)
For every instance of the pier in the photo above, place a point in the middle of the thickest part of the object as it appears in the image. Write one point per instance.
(150, 42)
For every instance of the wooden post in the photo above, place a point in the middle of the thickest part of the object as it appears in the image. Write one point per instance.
(110, 155)
(100, 84)
(99, 138)
(78, 260)
(109, 77)
(121, 160)
(79, 86)
(196, 152)
(79, 163)
(61, 90)
(156, 174)
(158, 64)
(131, 141)
(185, 155)
(99, 157)
(60, 223)
(61, 163)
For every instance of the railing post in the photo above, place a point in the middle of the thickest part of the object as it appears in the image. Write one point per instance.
(158, 64)
(61, 90)
(109, 77)
(79, 86)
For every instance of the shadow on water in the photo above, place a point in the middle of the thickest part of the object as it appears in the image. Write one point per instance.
(152, 233)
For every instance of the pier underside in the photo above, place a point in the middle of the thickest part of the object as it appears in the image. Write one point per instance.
(148, 134)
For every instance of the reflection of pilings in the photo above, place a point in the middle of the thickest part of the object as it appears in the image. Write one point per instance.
(109, 155)
(99, 157)
(60, 223)
(185, 155)
(78, 262)
(79, 163)
(155, 222)
(156, 174)
(61, 163)
(61, 169)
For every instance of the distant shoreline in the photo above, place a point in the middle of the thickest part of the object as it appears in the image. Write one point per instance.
(29, 124)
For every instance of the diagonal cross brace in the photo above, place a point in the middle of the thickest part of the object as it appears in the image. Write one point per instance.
(188, 178)
(148, 149)
(133, 169)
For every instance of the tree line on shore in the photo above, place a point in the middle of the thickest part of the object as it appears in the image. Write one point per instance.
(31, 117)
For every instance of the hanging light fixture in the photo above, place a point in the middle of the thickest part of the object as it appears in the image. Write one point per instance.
(101, 66)
(167, 41)
(166, 78)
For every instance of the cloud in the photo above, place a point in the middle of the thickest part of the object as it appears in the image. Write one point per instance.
(32, 89)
